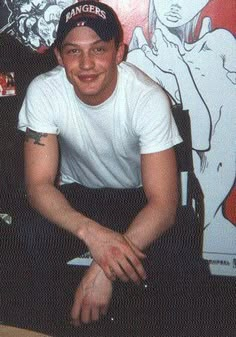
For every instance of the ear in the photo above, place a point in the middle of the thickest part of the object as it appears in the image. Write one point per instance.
(58, 56)
(120, 53)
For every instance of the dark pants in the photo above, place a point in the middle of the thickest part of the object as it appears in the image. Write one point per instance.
(113, 208)
(173, 262)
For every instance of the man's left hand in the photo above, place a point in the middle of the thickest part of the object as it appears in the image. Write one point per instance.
(92, 297)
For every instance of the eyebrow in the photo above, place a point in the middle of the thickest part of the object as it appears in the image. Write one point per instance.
(74, 44)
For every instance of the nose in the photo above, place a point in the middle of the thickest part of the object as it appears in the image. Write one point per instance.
(86, 61)
(176, 4)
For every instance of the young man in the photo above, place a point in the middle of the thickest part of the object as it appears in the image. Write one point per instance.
(114, 128)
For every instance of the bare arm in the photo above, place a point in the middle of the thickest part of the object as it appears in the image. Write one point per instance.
(160, 184)
(159, 175)
(109, 249)
(41, 165)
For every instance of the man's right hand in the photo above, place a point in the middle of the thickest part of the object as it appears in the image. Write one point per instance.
(114, 253)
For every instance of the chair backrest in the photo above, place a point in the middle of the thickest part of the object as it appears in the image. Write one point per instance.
(192, 197)
(184, 149)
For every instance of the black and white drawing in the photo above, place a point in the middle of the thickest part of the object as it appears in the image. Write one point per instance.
(200, 75)
(32, 22)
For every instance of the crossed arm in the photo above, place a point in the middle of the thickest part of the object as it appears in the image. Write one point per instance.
(115, 255)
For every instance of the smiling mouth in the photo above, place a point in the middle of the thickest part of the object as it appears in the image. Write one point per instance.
(87, 78)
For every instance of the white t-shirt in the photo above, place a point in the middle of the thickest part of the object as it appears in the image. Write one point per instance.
(101, 145)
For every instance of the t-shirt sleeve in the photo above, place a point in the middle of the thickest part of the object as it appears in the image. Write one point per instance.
(154, 123)
(38, 109)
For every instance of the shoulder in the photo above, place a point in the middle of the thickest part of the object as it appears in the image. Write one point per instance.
(139, 92)
(138, 80)
(218, 40)
(132, 71)
(49, 80)
(220, 34)
(144, 98)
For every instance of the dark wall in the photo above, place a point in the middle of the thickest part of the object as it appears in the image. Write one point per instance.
(25, 64)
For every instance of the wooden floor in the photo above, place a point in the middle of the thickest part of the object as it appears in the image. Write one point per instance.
(191, 310)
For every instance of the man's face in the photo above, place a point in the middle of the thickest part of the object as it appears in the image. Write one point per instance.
(90, 64)
(175, 13)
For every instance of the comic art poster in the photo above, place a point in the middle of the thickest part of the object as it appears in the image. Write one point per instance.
(189, 48)
(32, 22)
(7, 84)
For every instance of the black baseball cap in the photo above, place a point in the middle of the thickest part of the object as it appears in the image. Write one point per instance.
(93, 14)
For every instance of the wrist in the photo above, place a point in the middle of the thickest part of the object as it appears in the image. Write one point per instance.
(85, 229)
(94, 267)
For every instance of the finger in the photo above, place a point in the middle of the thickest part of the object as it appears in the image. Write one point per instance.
(137, 251)
(134, 269)
(158, 37)
(95, 314)
(128, 268)
(104, 309)
(110, 273)
(149, 53)
(165, 40)
(140, 37)
(86, 314)
(137, 266)
(128, 272)
(120, 272)
(76, 309)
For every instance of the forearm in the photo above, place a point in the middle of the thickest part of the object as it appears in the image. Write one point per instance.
(52, 204)
(151, 222)
(110, 250)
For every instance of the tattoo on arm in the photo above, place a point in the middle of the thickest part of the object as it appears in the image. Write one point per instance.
(35, 135)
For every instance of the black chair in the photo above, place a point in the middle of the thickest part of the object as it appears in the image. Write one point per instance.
(178, 277)
(172, 299)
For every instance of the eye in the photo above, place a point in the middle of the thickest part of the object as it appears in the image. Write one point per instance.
(73, 51)
(99, 50)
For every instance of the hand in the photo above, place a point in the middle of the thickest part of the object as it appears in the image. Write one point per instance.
(92, 297)
(161, 47)
(138, 39)
(115, 254)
